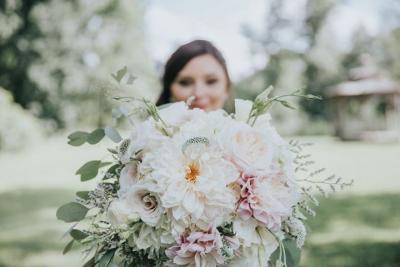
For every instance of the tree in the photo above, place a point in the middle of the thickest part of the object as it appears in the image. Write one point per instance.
(73, 47)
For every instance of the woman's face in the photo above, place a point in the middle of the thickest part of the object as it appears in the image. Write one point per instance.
(204, 78)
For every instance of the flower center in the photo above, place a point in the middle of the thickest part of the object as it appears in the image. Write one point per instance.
(192, 172)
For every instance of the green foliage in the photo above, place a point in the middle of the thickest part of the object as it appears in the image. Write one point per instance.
(72, 212)
(113, 134)
(90, 263)
(68, 247)
(120, 74)
(292, 253)
(106, 259)
(90, 169)
(41, 65)
(95, 136)
(77, 138)
(83, 194)
(78, 235)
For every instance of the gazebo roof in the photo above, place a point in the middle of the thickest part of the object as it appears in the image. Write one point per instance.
(374, 86)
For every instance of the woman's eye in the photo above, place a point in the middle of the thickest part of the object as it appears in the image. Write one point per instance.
(212, 81)
(184, 82)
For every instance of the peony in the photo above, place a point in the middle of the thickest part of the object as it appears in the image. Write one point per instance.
(249, 149)
(269, 200)
(197, 249)
(144, 200)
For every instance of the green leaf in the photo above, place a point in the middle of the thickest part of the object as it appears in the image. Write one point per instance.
(120, 74)
(89, 170)
(71, 212)
(95, 136)
(77, 138)
(112, 171)
(68, 247)
(286, 104)
(112, 151)
(293, 253)
(106, 259)
(310, 96)
(113, 134)
(90, 263)
(83, 194)
(264, 95)
(78, 235)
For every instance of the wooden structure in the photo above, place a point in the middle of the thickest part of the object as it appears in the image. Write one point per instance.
(367, 107)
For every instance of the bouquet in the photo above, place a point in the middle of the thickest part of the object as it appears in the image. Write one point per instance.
(194, 188)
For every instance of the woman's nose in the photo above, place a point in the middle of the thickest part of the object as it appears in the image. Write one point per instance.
(199, 90)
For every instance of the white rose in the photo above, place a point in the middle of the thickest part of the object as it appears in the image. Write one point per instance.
(144, 199)
(248, 148)
(175, 114)
(120, 213)
(128, 178)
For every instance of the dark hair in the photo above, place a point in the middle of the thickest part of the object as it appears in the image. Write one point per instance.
(181, 57)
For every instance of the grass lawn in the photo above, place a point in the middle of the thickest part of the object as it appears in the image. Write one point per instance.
(359, 227)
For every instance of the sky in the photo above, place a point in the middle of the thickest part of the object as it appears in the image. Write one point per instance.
(169, 23)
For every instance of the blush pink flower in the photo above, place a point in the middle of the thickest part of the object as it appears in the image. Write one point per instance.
(197, 249)
(266, 199)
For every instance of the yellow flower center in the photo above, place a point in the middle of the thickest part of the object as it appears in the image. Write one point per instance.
(192, 172)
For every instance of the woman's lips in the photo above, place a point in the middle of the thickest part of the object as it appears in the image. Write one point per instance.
(198, 105)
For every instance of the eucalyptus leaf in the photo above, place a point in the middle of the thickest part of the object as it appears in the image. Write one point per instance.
(83, 194)
(106, 259)
(286, 104)
(77, 138)
(113, 134)
(90, 263)
(293, 253)
(120, 74)
(78, 235)
(89, 170)
(95, 136)
(68, 247)
(71, 212)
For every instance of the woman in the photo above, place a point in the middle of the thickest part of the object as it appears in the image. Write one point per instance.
(196, 69)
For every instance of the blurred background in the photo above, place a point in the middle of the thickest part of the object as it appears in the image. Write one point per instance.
(56, 58)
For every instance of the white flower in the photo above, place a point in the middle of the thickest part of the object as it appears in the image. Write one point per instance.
(127, 178)
(250, 149)
(144, 200)
(119, 212)
(258, 244)
(175, 114)
(194, 184)
(246, 231)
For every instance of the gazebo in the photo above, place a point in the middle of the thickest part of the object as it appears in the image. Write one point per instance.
(367, 107)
